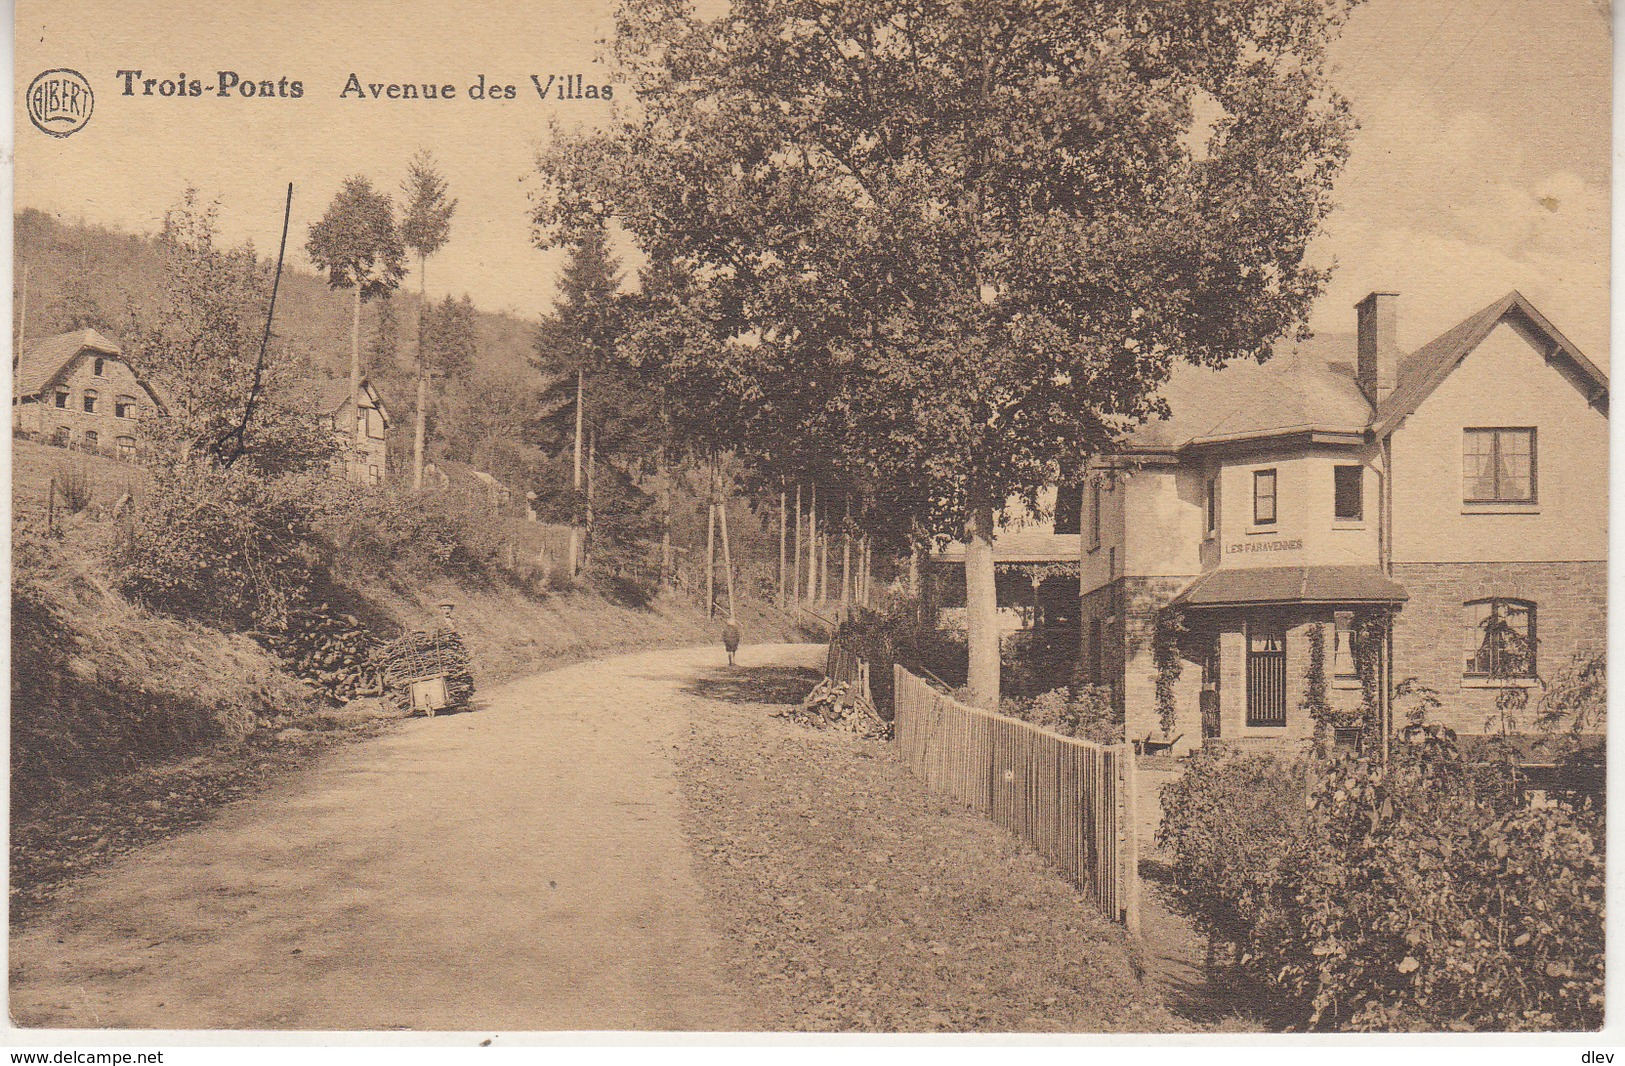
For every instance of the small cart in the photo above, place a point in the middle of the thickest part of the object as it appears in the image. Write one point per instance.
(427, 671)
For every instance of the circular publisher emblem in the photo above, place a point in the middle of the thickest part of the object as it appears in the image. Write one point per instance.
(60, 102)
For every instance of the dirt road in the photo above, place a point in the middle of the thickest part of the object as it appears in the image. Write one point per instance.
(521, 866)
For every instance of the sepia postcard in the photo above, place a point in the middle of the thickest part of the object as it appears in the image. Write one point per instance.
(990, 517)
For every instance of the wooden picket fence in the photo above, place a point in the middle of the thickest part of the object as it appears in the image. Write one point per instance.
(1070, 799)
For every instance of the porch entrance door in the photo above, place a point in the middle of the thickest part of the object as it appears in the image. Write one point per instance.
(1266, 675)
(1210, 693)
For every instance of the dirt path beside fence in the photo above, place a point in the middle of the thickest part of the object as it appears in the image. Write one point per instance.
(520, 866)
(851, 900)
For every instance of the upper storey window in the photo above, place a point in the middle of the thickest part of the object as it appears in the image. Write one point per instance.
(1498, 466)
(1264, 497)
(1348, 493)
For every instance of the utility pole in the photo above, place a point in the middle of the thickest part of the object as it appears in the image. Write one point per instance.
(575, 527)
(17, 362)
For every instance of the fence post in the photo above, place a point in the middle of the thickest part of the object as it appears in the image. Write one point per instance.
(1128, 784)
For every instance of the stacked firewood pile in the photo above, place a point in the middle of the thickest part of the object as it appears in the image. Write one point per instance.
(838, 705)
(426, 653)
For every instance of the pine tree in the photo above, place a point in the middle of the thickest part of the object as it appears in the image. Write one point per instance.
(425, 228)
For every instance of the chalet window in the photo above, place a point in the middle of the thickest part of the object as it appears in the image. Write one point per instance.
(90, 401)
(1498, 465)
(1094, 516)
(62, 398)
(1263, 497)
(100, 363)
(1348, 491)
(126, 447)
(124, 407)
(1500, 638)
(1069, 509)
(1212, 506)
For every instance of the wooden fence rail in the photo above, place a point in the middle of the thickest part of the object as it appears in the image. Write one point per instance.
(1071, 800)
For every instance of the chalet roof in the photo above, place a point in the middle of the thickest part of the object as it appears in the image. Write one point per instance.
(44, 359)
(327, 396)
(1252, 586)
(1309, 386)
(1427, 367)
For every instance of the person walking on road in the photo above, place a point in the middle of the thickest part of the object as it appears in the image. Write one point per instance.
(730, 637)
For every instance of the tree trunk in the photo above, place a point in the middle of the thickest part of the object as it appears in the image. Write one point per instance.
(784, 527)
(795, 573)
(420, 420)
(710, 558)
(823, 566)
(812, 547)
(575, 527)
(846, 556)
(355, 366)
(727, 557)
(592, 468)
(981, 609)
(665, 513)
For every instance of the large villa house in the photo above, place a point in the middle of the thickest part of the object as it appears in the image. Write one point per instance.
(1455, 496)
(77, 390)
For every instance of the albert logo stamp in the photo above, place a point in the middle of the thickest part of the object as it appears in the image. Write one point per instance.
(60, 102)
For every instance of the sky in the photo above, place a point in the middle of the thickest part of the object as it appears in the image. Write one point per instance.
(1481, 165)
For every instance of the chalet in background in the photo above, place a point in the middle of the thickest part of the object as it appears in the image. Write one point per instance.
(1455, 496)
(361, 433)
(77, 390)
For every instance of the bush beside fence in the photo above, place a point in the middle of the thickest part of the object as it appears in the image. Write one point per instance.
(1070, 799)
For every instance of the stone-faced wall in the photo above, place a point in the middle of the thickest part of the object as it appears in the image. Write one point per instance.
(115, 381)
(1129, 608)
(1571, 603)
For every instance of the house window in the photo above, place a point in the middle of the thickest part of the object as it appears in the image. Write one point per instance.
(90, 401)
(1500, 638)
(1094, 516)
(1498, 466)
(1348, 490)
(124, 407)
(374, 475)
(1069, 509)
(1266, 675)
(93, 440)
(1345, 652)
(100, 364)
(62, 398)
(126, 447)
(1263, 497)
(1213, 506)
(61, 437)
(375, 423)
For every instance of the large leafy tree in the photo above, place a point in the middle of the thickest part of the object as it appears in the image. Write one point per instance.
(359, 247)
(425, 228)
(200, 346)
(958, 247)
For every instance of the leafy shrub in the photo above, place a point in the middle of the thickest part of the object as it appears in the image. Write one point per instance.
(423, 534)
(221, 545)
(1420, 896)
(1229, 821)
(1083, 711)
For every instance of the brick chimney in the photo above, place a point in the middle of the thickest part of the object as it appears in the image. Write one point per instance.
(1376, 368)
